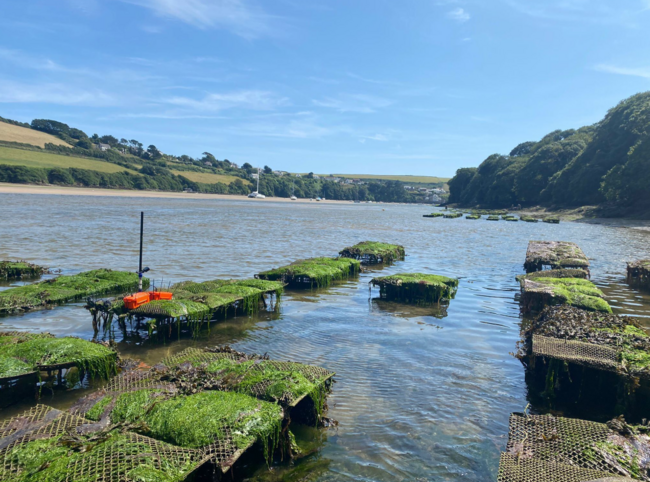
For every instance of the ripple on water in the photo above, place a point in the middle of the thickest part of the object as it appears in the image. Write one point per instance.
(421, 393)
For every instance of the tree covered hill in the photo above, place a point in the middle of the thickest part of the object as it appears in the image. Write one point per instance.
(608, 162)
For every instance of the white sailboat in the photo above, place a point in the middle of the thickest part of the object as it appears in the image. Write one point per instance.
(293, 197)
(256, 194)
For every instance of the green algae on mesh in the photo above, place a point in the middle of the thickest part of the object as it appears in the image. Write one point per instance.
(315, 272)
(175, 308)
(529, 219)
(201, 419)
(285, 383)
(131, 407)
(492, 218)
(453, 215)
(373, 252)
(43, 460)
(551, 220)
(10, 338)
(93, 358)
(13, 367)
(433, 215)
(473, 216)
(621, 333)
(96, 411)
(68, 288)
(416, 288)
(54, 460)
(20, 269)
(580, 293)
(555, 273)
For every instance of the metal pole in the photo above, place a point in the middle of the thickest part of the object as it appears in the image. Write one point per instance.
(141, 237)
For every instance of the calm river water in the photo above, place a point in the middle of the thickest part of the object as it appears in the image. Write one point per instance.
(420, 395)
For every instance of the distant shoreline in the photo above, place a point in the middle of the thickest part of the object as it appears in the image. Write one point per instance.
(9, 188)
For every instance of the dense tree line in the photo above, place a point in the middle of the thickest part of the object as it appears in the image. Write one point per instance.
(148, 179)
(609, 161)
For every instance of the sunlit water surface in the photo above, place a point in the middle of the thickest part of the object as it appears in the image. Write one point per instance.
(420, 394)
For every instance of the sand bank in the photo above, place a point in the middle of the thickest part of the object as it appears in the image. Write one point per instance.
(7, 188)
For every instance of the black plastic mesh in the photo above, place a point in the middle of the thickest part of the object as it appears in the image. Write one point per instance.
(316, 375)
(109, 459)
(546, 448)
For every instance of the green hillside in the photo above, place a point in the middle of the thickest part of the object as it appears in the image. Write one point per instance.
(44, 159)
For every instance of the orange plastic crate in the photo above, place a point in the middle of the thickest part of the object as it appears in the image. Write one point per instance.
(160, 295)
(135, 300)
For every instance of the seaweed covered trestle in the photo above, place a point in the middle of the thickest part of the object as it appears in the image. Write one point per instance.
(416, 288)
(24, 353)
(453, 215)
(554, 255)
(44, 444)
(12, 270)
(194, 303)
(537, 292)
(287, 383)
(433, 215)
(314, 272)
(64, 289)
(373, 252)
(588, 360)
(638, 273)
(216, 400)
(544, 448)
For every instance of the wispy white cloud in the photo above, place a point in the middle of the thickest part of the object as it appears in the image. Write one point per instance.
(360, 103)
(246, 99)
(372, 81)
(376, 137)
(48, 93)
(459, 14)
(238, 16)
(633, 72)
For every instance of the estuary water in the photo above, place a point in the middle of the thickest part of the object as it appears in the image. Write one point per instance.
(421, 394)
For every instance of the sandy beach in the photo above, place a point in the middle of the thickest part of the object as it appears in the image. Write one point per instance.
(7, 188)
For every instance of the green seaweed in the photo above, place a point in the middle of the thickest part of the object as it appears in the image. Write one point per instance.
(131, 407)
(433, 215)
(315, 272)
(473, 216)
(453, 215)
(199, 420)
(97, 410)
(529, 219)
(95, 359)
(492, 218)
(20, 269)
(577, 292)
(58, 459)
(67, 288)
(372, 252)
(13, 367)
(416, 288)
(555, 273)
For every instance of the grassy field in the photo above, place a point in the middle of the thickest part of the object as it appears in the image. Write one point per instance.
(393, 177)
(12, 133)
(208, 177)
(20, 157)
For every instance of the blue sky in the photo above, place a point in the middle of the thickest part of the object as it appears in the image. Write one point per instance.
(349, 86)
